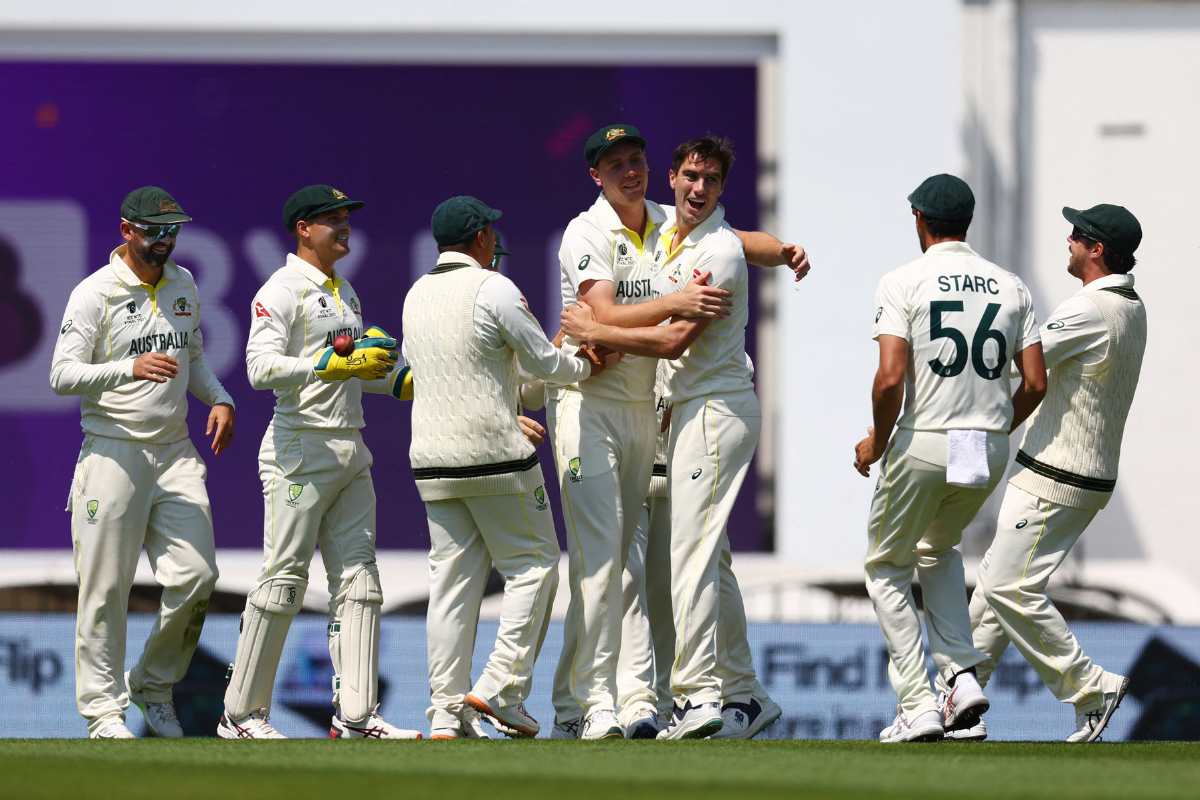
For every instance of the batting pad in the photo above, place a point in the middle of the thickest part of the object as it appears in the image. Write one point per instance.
(358, 681)
(265, 622)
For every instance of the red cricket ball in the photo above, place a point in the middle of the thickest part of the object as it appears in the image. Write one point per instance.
(343, 345)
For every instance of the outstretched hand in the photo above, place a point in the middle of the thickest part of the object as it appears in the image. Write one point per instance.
(796, 259)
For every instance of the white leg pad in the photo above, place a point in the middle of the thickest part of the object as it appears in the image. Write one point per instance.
(265, 622)
(358, 680)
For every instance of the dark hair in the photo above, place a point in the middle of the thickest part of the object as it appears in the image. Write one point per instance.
(1117, 262)
(947, 228)
(710, 147)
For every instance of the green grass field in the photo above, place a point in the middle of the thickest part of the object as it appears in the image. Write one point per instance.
(299, 769)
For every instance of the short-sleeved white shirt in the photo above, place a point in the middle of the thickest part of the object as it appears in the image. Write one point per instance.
(717, 361)
(598, 247)
(964, 319)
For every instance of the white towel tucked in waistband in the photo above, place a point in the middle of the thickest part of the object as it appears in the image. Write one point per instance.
(967, 459)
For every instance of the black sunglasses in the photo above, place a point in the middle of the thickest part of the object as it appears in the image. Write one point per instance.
(1079, 236)
(158, 231)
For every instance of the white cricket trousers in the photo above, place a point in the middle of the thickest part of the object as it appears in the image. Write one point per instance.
(916, 521)
(126, 495)
(647, 627)
(604, 452)
(1033, 537)
(467, 535)
(713, 438)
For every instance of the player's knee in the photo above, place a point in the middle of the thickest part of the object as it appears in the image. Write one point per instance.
(363, 585)
(283, 594)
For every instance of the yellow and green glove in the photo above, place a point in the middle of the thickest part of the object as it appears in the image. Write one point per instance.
(374, 357)
(401, 379)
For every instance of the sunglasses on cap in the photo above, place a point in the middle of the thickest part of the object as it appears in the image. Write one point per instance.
(1079, 236)
(158, 231)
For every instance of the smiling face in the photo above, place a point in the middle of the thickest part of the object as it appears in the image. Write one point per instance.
(623, 174)
(328, 234)
(151, 252)
(697, 186)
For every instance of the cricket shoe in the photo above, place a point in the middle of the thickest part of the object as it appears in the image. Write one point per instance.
(602, 724)
(160, 717)
(964, 705)
(114, 730)
(373, 728)
(694, 722)
(1089, 726)
(566, 729)
(925, 728)
(974, 734)
(469, 727)
(254, 726)
(513, 721)
(747, 720)
(644, 726)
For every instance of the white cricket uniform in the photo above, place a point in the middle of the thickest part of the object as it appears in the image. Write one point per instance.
(480, 478)
(1064, 474)
(647, 626)
(314, 467)
(715, 426)
(964, 319)
(603, 434)
(139, 481)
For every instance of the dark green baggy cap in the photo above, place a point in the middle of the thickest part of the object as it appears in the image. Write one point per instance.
(313, 200)
(943, 197)
(599, 142)
(152, 204)
(1113, 225)
(459, 218)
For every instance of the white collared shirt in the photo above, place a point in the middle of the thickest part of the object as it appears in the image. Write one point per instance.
(598, 247)
(1076, 328)
(298, 313)
(502, 319)
(950, 296)
(717, 361)
(111, 319)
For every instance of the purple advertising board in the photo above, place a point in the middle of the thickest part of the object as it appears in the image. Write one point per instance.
(231, 143)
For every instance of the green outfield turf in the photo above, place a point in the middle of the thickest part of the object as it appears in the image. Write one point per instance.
(459, 770)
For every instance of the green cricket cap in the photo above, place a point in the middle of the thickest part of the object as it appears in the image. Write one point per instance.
(943, 197)
(500, 251)
(152, 204)
(460, 218)
(313, 200)
(599, 142)
(1113, 225)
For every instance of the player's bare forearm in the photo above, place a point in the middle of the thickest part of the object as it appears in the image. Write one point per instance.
(1024, 403)
(1031, 363)
(887, 398)
(767, 251)
(652, 342)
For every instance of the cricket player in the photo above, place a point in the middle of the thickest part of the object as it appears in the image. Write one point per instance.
(603, 430)
(1066, 468)
(714, 430)
(466, 330)
(947, 326)
(316, 474)
(130, 343)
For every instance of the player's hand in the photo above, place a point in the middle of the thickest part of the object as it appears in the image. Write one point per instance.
(220, 425)
(375, 337)
(157, 367)
(558, 338)
(867, 452)
(579, 321)
(796, 259)
(698, 300)
(601, 358)
(533, 431)
(666, 423)
(368, 364)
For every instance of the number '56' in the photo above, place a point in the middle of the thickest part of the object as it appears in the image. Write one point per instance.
(982, 334)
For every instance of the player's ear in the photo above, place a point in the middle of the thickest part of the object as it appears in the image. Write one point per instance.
(596, 176)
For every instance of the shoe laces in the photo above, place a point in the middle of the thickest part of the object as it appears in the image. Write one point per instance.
(571, 726)
(259, 721)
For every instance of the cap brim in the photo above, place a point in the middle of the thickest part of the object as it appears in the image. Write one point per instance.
(349, 205)
(608, 145)
(500, 251)
(166, 219)
(1075, 217)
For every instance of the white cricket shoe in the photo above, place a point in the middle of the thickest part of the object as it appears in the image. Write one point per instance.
(114, 730)
(975, 734)
(644, 726)
(602, 724)
(470, 727)
(1089, 726)
(747, 720)
(566, 729)
(160, 717)
(925, 728)
(373, 728)
(965, 704)
(694, 722)
(255, 726)
(513, 721)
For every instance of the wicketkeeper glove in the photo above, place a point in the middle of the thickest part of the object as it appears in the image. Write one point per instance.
(400, 381)
(374, 357)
